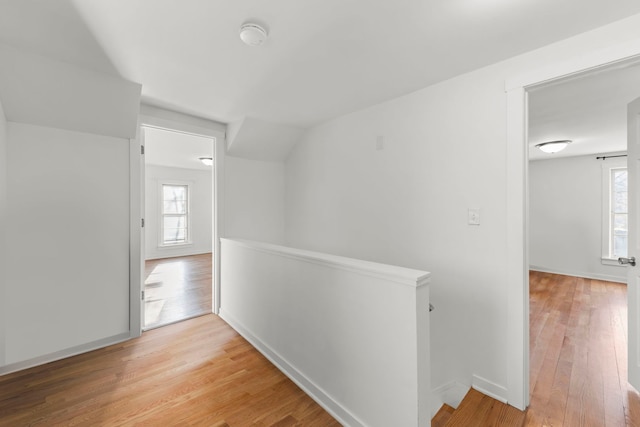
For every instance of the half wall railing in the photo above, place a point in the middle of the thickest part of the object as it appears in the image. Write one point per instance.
(353, 334)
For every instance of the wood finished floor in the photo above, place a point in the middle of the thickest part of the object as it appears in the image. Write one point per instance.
(199, 372)
(177, 289)
(578, 372)
(578, 347)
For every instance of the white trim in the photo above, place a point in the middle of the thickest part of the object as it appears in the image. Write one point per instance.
(63, 354)
(136, 234)
(151, 116)
(450, 393)
(323, 399)
(172, 254)
(612, 262)
(489, 388)
(218, 229)
(577, 64)
(517, 251)
(517, 221)
(401, 275)
(166, 119)
(584, 275)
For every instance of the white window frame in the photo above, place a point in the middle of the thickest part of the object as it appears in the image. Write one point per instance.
(161, 184)
(607, 167)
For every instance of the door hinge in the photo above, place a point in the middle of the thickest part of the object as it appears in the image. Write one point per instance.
(142, 149)
(142, 295)
(142, 222)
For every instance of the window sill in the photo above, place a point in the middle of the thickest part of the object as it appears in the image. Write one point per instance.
(175, 245)
(611, 261)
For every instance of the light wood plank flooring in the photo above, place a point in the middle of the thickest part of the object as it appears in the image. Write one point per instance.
(177, 289)
(478, 410)
(578, 372)
(199, 372)
(578, 341)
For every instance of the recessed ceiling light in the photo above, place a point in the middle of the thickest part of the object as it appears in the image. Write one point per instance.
(252, 34)
(553, 146)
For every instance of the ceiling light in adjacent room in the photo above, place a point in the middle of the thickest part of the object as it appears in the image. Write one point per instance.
(253, 34)
(206, 160)
(553, 146)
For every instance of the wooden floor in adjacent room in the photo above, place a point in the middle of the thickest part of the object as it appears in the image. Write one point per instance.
(176, 289)
(199, 372)
(578, 340)
(578, 348)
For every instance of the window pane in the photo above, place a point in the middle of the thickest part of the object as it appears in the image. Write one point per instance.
(620, 246)
(177, 235)
(175, 222)
(620, 202)
(174, 192)
(620, 180)
(175, 207)
(620, 223)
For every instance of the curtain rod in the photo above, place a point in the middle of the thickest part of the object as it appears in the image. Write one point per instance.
(607, 157)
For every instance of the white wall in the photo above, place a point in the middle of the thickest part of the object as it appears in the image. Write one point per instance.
(254, 200)
(3, 229)
(565, 197)
(201, 210)
(68, 263)
(444, 152)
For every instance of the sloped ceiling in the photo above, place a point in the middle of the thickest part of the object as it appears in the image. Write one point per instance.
(324, 58)
(261, 140)
(42, 91)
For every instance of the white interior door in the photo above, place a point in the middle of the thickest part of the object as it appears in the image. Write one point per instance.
(633, 272)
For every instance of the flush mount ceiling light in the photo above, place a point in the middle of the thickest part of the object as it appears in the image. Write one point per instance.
(252, 34)
(206, 160)
(553, 146)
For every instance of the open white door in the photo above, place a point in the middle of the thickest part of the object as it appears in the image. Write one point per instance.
(633, 272)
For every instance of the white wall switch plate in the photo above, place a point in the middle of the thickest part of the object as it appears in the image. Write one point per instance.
(474, 216)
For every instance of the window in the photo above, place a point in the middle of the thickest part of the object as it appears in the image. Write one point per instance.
(615, 212)
(174, 221)
(619, 219)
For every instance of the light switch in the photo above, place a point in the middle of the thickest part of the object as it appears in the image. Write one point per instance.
(474, 216)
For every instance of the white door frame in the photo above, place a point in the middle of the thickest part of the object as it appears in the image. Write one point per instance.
(170, 120)
(518, 199)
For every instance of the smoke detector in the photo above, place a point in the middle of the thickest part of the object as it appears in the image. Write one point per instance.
(253, 34)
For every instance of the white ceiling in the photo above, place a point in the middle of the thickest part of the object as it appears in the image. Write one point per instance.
(589, 109)
(323, 58)
(175, 149)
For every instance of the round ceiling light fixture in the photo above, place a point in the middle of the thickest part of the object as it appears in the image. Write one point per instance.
(208, 161)
(253, 34)
(553, 146)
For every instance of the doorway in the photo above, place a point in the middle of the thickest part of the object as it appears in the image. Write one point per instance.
(517, 223)
(178, 230)
(577, 230)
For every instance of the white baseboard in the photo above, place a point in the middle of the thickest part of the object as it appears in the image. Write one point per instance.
(63, 354)
(171, 253)
(450, 393)
(594, 276)
(340, 413)
(489, 388)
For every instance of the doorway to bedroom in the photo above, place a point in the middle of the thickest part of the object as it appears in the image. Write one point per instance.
(178, 230)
